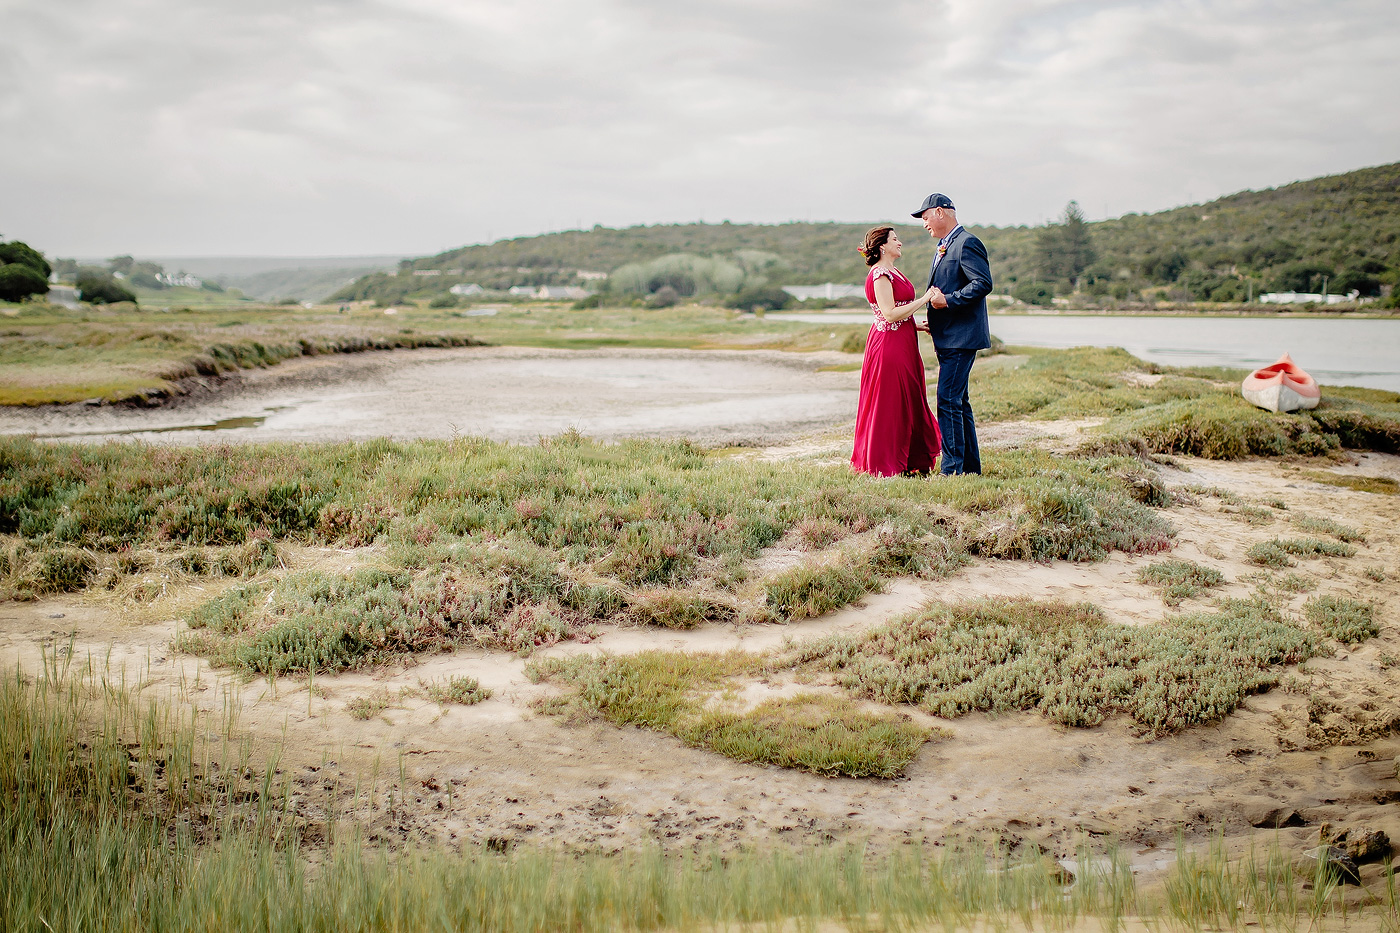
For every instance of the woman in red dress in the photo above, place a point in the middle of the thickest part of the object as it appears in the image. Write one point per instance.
(896, 433)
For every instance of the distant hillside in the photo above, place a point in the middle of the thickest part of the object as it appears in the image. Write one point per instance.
(1343, 230)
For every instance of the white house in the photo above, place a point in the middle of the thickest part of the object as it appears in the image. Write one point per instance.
(1304, 298)
(466, 289)
(522, 291)
(829, 291)
(179, 279)
(556, 292)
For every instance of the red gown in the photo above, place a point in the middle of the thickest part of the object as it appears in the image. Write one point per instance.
(895, 430)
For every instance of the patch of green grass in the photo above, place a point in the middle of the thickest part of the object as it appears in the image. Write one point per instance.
(1179, 579)
(1380, 485)
(679, 609)
(369, 706)
(1375, 574)
(813, 588)
(1275, 553)
(1250, 514)
(812, 732)
(1347, 620)
(999, 655)
(1326, 526)
(682, 695)
(1268, 554)
(1315, 547)
(1289, 583)
(462, 690)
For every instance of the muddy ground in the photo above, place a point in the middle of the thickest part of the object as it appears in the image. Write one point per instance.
(1320, 748)
(512, 394)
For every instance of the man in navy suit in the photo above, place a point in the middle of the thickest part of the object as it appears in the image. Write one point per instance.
(957, 322)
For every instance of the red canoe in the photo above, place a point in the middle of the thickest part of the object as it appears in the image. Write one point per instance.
(1281, 387)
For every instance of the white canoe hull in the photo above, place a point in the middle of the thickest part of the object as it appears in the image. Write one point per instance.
(1278, 398)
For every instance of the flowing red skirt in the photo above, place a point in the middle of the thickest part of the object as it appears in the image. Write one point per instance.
(895, 430)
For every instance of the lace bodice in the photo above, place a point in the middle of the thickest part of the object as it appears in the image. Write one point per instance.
(897, 279)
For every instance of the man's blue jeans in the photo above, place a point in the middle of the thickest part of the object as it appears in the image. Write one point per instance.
(960, 454)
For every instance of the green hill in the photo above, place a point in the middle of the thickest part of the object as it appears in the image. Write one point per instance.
(1341, 231)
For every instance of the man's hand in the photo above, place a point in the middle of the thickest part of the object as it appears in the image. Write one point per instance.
(939, 300)
(920, 327)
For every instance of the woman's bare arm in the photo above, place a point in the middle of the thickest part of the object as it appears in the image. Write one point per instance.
(894, 313)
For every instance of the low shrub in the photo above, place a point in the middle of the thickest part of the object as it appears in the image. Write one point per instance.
(1315, 547)
(1326, 526)
(465, 691)
(1065, 660)
(1346, 620)
(1179, 579)
(1268, 554)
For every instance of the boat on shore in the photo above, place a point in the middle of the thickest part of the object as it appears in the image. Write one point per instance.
(1282, 386)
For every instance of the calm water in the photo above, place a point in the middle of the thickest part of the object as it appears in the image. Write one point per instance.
(1336, 352)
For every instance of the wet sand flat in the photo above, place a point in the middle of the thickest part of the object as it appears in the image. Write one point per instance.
(504, 393)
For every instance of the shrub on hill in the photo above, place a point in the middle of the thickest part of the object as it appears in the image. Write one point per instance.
(18, 281)
(100, 288)
(25, 255)
(761, 298)
(23, 271)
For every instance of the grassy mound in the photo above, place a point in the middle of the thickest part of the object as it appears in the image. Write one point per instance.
(514, 547)
(1065, 660)
(676, 693)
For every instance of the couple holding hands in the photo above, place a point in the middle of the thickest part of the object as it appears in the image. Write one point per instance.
(895, 431)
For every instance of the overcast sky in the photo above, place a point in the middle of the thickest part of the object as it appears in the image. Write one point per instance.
(341, 127)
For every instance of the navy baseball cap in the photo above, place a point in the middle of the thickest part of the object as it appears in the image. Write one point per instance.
(934, 200)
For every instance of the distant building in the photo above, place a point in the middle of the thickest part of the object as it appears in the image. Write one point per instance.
(591, 276)
(828, 291)
(523, 291)
(427, 272)
(179, 280)
(556, 292)
(1306, 298)
(466, 289)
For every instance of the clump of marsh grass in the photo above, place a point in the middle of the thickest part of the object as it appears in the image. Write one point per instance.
(1268, 554)
(679, 608)
(673, 692)
(28, 573)
(813, 588)
(1065, 660)
(370, 705)
(1250, 514)
(1326, 526)
(462, 690)
(1179, 579)
(1315, 547)
(1348, 621)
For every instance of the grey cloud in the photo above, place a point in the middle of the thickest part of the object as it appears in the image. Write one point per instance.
(387, 125)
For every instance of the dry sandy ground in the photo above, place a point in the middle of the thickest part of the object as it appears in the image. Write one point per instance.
(501, 773)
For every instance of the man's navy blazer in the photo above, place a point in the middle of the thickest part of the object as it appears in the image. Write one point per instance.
(965, 278)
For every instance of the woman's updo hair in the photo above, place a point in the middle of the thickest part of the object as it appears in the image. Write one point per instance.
(875, 238)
